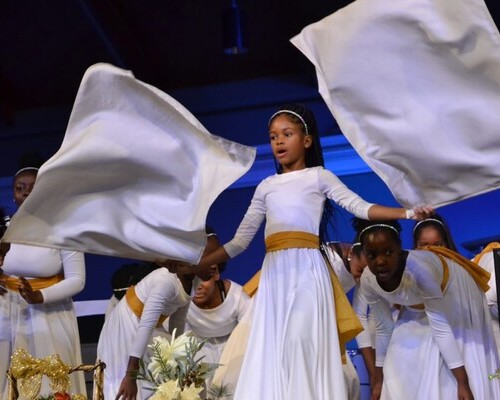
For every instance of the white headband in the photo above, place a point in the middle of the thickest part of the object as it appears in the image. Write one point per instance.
(354, 245)
(433, 220)
(293, 113)
(349, 256)
(25, 169)
(378, 226)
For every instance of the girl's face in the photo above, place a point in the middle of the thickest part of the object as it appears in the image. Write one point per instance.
(23, 185)
(206, 293)
(430, 236)
(357, 263)
(204, 287)
(382, 254)
(289, 143)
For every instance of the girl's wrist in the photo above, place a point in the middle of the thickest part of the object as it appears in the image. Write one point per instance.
(409, 213)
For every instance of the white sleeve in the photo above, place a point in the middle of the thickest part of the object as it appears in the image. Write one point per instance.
(73, 263)
(487, 262)
(384, 323)
(360, 306)
(248, 227)
(161, 292)
(333, 188)
(428, 278)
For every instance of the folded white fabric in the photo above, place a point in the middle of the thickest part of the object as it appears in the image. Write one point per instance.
(415, 87)
(135, 175)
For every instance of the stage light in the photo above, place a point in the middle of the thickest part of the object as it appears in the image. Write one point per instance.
(234, 30)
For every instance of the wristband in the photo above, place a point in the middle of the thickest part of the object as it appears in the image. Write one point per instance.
(410, 214)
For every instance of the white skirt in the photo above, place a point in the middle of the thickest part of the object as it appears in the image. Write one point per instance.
(42, 330)
(115, 343)
(413, 367)
(293, 349)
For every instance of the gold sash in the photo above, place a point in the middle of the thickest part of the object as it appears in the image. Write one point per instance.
(348, 325)
(13, 283)
(478, 274)
(487, 249)
(137, 306)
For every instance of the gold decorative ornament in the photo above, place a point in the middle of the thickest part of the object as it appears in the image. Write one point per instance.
(26, 372)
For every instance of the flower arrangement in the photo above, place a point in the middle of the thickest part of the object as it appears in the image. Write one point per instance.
(496, 375)
(175, 373)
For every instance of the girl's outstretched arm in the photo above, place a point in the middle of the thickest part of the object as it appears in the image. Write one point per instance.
(207, 265)
(205, 268)
(377, 212)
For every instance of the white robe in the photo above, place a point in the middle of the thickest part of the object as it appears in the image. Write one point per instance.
(124, 334)
(47, 328)
(487, 262)
(215, 325)
(417, 359)
(293, 349)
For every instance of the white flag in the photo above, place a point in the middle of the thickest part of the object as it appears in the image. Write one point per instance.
(415, 87)
(135, 175)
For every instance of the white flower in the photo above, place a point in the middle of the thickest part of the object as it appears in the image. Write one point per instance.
(169, 390)
(169, 351)
(191, 393)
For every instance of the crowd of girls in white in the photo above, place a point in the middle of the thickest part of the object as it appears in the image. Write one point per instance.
(438, 344)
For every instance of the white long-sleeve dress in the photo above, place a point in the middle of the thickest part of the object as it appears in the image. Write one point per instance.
(293, 349)
(347, 282)
(124, 334)
(47, 328)
(417, 359)
(216, 324)
(487, 262)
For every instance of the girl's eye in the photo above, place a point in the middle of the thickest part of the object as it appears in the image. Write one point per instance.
(20, 188)
(288, 134)
(272, 137)
(388, 252)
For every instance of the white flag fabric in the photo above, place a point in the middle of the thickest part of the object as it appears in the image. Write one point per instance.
(135, 175)
(415, 87)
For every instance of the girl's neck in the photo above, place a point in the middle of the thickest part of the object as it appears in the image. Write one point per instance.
(292, 168)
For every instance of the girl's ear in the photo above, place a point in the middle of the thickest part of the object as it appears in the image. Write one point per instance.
(308, 141)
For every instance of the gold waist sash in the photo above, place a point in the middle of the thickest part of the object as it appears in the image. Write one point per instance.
(291, 240)
(13, 283)
(348, 325)
(137, 306)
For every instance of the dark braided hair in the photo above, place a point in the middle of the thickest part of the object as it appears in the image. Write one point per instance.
(313, 156)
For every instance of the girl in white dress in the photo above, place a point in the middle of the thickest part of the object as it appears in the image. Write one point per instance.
(293, 349)
(131, 325)
(455, 359)
(412, 326)
(36, 309)
(486, 261)
(218, 306)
